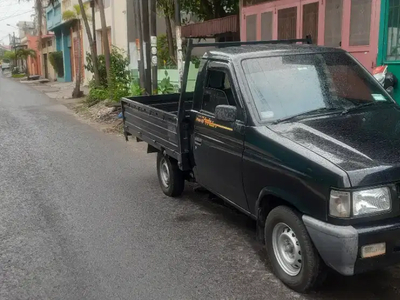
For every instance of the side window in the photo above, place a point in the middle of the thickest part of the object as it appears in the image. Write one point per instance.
(217, 91)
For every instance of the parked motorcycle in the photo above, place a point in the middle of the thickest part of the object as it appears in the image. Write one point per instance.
(385, 78)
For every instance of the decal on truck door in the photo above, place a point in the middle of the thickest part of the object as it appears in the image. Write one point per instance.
(210, 123)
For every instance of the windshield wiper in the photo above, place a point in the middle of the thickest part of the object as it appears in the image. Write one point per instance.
(354, 108)
(322, 110)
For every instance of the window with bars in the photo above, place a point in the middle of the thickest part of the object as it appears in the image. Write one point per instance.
(393, 31)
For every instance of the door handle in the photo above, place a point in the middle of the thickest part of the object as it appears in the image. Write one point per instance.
(198, 141)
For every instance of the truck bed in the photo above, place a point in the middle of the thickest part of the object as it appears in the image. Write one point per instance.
(153, 119)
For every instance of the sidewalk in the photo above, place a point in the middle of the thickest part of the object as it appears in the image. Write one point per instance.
(61, 91)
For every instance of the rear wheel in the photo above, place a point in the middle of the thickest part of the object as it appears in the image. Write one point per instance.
(293, 257)
(171, 178)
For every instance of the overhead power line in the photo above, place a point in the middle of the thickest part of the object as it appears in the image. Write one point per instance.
(23, 13)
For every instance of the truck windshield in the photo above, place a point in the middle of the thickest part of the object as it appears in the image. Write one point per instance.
(292, 85)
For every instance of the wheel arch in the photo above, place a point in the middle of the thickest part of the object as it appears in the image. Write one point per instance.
(268, 199)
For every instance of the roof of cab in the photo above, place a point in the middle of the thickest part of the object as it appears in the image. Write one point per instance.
(262, 50)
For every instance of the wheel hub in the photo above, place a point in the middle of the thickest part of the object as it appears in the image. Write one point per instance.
(287, 249)
(164, 172)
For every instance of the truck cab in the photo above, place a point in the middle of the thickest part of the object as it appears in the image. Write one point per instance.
(299, 137)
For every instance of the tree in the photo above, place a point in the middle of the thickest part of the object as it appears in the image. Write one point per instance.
(202, 9)
(91, 42)
(10, 55)
(106, 45)
(210, 9)
(167, 9)
(76, 14)
(23, 54)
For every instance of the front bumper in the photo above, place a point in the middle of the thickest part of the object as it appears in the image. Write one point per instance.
(340, 246)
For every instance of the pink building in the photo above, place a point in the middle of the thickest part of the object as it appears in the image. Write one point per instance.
(350, 24)
(33, 63)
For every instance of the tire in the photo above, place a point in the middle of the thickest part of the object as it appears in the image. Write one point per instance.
(170, 177)
(293, 257)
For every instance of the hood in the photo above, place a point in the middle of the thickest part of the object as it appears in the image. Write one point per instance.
(365, 144)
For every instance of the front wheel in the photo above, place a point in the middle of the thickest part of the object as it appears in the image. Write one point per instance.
(171, 178)
(293, 257)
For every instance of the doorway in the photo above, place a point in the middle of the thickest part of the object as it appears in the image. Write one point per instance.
(287, 23)
(46, 69)
(310, 20)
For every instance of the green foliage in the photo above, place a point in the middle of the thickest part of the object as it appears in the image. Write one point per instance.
(196, 61)
(202, 9)
(101, 63)
(25, 53)
(8, 56)
(19, 75)
(164, 59)
(56, 60)
(136, 90)
(97, 93)
(167, 7)
(165, 86)
(16, 71)
(75, 13)
(120, 74)
(69, 15)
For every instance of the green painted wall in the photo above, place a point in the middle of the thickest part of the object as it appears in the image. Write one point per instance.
(393, 66)
(174, 77)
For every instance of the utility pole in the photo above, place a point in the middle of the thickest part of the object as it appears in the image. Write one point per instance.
(39, 11)
(153, 22)
(139, 42)
(178, 37)
(146, 45)
(15, 51)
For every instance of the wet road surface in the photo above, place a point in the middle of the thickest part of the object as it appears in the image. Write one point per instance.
(82, 217)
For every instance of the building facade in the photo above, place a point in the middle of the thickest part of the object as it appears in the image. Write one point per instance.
(115, 12)
(350, 24)
(48, 47)
(62, 38)
(389, 39)
(69, 38)
(32, 62)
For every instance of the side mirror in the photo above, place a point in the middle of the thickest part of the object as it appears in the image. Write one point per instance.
(225, 113)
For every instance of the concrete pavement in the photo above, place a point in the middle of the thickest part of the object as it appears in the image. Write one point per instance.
(82, 217)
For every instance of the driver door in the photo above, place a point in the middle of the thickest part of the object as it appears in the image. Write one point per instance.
(218, 146)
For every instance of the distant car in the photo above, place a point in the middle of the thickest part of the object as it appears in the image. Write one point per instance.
(5, 65)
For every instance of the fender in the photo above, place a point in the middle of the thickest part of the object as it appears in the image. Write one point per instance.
(285, 195)
(291, 199)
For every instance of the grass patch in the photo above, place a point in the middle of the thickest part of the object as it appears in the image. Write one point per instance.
(18, 75)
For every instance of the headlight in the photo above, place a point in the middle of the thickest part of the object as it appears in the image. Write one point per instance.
(339, 204)
(371, 201)
(365, 202)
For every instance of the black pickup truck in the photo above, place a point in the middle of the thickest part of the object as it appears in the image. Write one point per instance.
(299, 137)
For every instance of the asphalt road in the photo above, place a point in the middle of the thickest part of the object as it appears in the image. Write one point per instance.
(82, 217)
